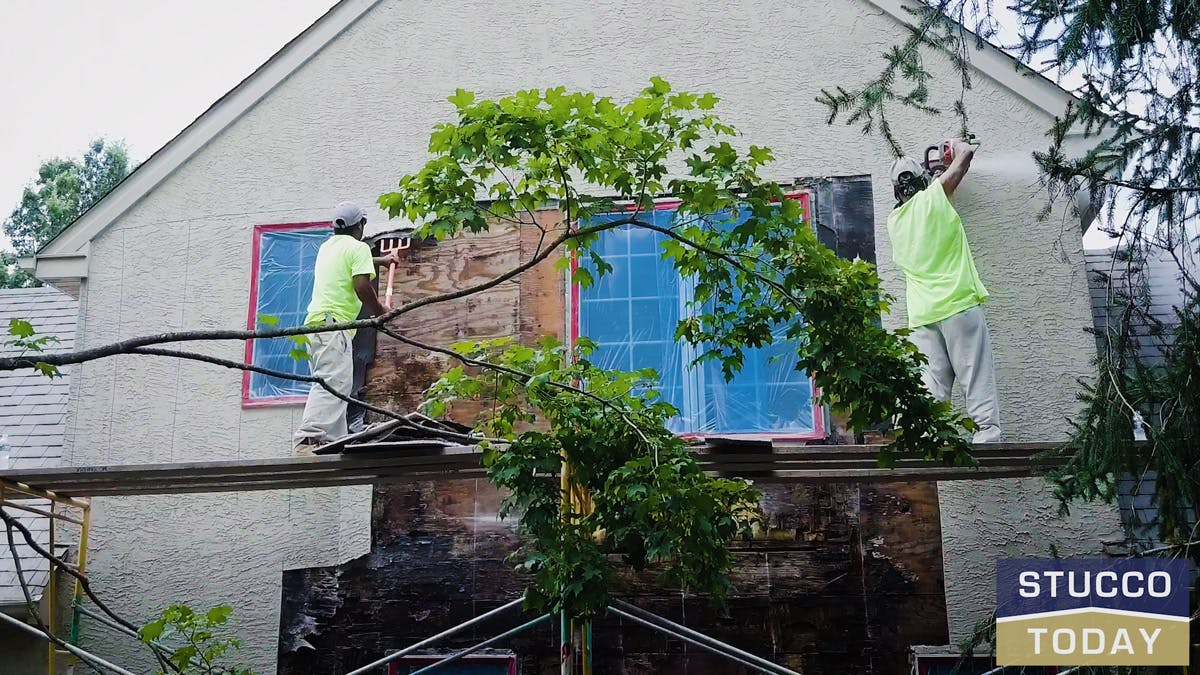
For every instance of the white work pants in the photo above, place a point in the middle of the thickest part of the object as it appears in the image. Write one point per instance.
(958, 348)
(331, 358)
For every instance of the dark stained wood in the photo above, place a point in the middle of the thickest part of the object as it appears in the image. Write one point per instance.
(844, 578)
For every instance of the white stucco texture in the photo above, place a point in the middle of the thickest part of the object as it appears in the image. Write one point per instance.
(356, 116)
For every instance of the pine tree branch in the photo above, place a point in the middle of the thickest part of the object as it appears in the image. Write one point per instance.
(1142, 186)
(1187, 545)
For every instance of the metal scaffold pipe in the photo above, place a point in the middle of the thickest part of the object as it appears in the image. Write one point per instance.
(663, 624)
(774, 670)
(490, 641)
(86, 656)
(428, 641)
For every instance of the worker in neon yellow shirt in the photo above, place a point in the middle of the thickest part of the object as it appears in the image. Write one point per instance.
(944, 291)
(341, 288)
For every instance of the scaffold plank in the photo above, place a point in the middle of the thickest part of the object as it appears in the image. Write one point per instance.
(415, 461)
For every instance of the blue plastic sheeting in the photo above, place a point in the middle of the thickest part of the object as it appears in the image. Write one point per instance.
(285, 280)
(631, 314)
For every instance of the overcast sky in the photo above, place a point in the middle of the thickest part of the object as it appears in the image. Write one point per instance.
(138, 70)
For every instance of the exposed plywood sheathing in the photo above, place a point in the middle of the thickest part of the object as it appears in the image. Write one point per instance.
(528, 306)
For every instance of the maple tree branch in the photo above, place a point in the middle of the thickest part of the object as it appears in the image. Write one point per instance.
(47, 631)
(238, 365)
(10, 521)
(724, 256)
(145, 345)
(132, 344)
(406, 418)
(491, 283)
(497, 368)
(12, 551)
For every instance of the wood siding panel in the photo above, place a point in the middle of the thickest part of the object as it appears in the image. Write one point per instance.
(401, 373)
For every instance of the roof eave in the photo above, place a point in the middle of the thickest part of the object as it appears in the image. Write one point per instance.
(999, 66)
(19, 609)
(66, 272)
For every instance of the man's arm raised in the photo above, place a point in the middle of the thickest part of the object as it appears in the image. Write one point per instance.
(963, 153)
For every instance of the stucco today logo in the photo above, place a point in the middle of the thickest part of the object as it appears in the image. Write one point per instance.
(1093, 612)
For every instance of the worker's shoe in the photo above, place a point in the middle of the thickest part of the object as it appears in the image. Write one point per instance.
(987, 434)
(305, 447)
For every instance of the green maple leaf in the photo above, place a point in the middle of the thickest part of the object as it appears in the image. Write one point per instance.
(20, 328)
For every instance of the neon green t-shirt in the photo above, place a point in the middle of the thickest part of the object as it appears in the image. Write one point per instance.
(930, 246)
(339, 260)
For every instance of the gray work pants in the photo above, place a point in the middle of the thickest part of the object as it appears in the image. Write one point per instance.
(958, 348)
(330, 358)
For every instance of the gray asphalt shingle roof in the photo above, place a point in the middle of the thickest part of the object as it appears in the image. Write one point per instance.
(32, 414)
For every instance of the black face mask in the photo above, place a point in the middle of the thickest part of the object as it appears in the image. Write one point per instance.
(909, 185)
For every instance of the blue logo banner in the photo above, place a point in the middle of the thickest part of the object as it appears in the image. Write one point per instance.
(1149, 585)
(1127, 611)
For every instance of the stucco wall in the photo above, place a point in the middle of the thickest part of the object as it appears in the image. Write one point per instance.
(348, 123)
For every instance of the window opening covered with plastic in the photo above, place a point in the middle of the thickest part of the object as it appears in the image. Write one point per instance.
(280, 287)
(631, 314)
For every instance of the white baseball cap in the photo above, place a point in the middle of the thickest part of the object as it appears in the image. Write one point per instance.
(905, 165)
(346, 215)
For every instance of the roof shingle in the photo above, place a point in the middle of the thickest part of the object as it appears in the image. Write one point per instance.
(32, 415)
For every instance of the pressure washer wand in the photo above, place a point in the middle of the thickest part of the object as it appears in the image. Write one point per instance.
(391, 246)
(939, 157)
(387, 299)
